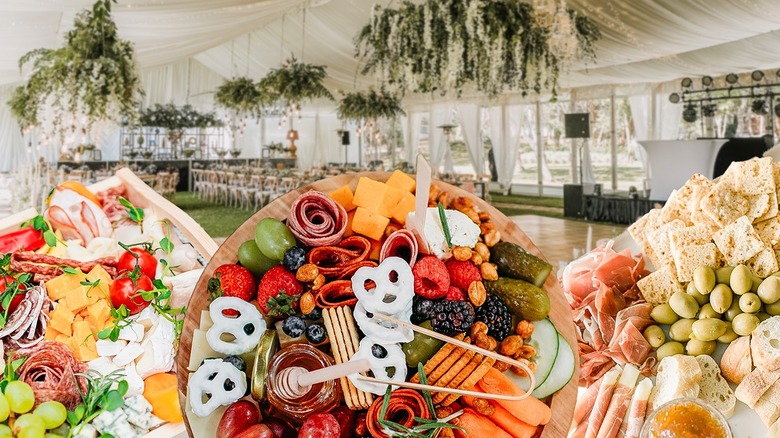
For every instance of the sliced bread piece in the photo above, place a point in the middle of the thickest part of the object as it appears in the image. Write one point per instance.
(765, 344)
(736, 362)
(678, 377)
(755, 385)
(767, 411)
(774, 430)
(713, 387)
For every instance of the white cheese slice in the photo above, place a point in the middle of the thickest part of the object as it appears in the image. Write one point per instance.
(205, 320)
(206, 426)
(463, 231)
(103, 365)
(85, 430)
(128, 354)
(200, 350)
(135, 383)
(108, 348)
(133, 332)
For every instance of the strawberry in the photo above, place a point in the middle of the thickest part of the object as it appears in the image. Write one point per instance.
(278, 292)
(232, 281)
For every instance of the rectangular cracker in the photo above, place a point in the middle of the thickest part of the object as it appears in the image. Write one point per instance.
(641, 229)
(753, 177)
(764, 263)
(699, 186)
(439, 357)
(458, 367)
(695, 235)
(768, 231)
(688, 258)
(759, 206)
(446, 365)
(459, 378)
(471, 380)
(365, 398)
(723, 204)
(676, 207)
(661, 243)
(657, 287)
(772, 211)
(701, 219)
(738, 241)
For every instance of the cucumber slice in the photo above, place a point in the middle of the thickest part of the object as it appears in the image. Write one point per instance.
(561, 373)
(545, 342)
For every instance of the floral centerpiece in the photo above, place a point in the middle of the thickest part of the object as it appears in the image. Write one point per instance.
(295, 82)
(92, 77)
(171, 117)
(443, 45)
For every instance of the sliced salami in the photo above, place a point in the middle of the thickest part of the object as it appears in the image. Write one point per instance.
(51, 370)
(402, 243)
(317, 220)
(26, 326)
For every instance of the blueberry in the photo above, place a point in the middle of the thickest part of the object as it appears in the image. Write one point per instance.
(378, 351)
(314, 314)
(293, 326)
(237, 362)
(315, 333)
(422, 310)
(228, 385)
(294, 258)
(249, 329)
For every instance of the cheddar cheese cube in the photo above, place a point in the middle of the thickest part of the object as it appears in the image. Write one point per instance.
(343, 195)
(61, 319)
(76, 299)
(61, 285)
(62, 338)
(369, 194)
(88, 349)
(401, 181)
(99, 273)
(391, 199)
(73, 346)
(369, 224)
(403, 208)
(51, 334)
(376, 249)
(350, 217)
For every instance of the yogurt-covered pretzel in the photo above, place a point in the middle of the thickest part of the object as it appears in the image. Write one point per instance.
(381, 331)
(219, 382)
(246, 329)
(388, 296)
(387, 362)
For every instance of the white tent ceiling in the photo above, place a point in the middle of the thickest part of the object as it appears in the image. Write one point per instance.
(645, 41)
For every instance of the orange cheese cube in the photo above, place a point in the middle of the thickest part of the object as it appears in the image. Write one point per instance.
(350, 217)
(61, 319)
(81, 331)
(369, 194)
(343, 195)
(99, 310)
(376, 248)
(391, 199)
(99, 273)
(403, 208)
(61, 285)
(401, 181)
(73, 346)
(76, 299)
(51, 334)
(369, 224)
(62, 338)
(88, 350)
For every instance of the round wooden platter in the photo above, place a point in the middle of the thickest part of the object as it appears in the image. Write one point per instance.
(563, 401)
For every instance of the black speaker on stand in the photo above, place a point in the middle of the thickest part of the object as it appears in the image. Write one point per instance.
(576, 125)
(344, 134)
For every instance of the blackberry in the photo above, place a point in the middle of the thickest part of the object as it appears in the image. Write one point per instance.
(316, 334)
(294, 258)
(314, 314)
(237, 362)
(452, 317)
(293, 326)
(497, 316)
(422, 309)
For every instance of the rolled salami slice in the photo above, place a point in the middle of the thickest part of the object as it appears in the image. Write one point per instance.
(402, 243)
(317, 220)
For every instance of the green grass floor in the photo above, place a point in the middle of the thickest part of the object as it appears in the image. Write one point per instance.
(221, 221)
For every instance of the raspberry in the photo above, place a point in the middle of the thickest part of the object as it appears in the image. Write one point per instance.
(462, 273)
(431, 280)
(455, 294)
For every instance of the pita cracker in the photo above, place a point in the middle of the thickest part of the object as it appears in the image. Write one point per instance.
(659, 286)
(738, 241)
(753, 177)
(764, 263)
(769, 231)
(688, 258)
(700, 219)
(724, 205)
(641, 230)
(700, 187)
(772, 211)
(661, 243)
(758, 206)
(675, 208)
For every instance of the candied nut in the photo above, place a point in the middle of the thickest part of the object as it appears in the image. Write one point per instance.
(477, 328)
(461, 203)
(444, 411)
(476, 259)
(493, 343)
(473, 215)
(361, 429)
(524, 329)
(481, 340)
(446, 433)
(477, 293)
(307, 273)
(484, 407)
(492, 237)
(391, 228)
(520, 371)
(510, 345)
(318, 282)
(485, 227)
(525, 352)
(462, 253)
(307, 303)
(489, 271)
(501, 366)
(433, 194)
(444, 199)
(483, 251)
(484, 216)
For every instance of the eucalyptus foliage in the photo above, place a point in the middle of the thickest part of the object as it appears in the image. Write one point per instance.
(370, 105)
(242, 95)
(295, 82)
(92, 77)
(448, 45)
(171, 117)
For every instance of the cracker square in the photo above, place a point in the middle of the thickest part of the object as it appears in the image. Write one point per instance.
(764, 263)
(676, 207)
(641, 230)
(700, 186)
(657, 287)
(701, 219)
(723, 204)
(753, 177)
(738, 241)
(688, 236)
(688, 258)
(769, 231)
(758, 206)
(660, 242)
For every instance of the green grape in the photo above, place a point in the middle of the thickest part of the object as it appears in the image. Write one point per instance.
(5, 410)
(20, 396)
(250, 257)
(5, 431)
(30, 426)
(53, 413)
(53, 435)
(273, 238)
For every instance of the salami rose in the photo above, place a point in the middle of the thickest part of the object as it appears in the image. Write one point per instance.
(401, 243)
(317, 220)
(50, 369)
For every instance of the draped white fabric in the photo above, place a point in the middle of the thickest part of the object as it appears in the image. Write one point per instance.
(640, 111)
(437, 141)
(468, 117)
(414, 135)
(13, 153)
(503, 136)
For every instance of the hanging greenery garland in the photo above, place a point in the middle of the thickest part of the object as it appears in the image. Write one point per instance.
(295, 82)
(242, 96)
(369, 105)
(92, 77)
(446, 45)
(171, 117)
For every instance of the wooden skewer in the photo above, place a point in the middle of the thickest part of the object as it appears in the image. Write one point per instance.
(431, 388)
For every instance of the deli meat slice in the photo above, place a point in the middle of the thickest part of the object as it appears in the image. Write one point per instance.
(26, 326)
(317, 220)
(402, 243)
(50, 369)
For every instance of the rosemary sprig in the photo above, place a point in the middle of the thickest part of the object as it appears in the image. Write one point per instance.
(445, 226)
(98, 398)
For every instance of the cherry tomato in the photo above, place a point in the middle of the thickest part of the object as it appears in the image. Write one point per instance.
(144, 260)
(123, 291)
(6, 280)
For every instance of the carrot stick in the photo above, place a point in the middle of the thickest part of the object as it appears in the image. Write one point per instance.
(505, 420)
(475, 425)
(529, 410)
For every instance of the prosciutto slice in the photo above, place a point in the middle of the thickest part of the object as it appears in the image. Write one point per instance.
(601, 406)
(317, 220)
(401, 243)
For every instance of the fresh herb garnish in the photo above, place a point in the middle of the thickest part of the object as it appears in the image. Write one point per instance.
(160, 300)
(121, 319)
(5, 264)
(40, 224)
(445, 226)
(14, 287)
(98, 398)
(134, 213)
(166, 245)
(70, 271)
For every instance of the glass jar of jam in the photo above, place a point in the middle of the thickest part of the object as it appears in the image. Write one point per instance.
(686, 418)
(320, 397)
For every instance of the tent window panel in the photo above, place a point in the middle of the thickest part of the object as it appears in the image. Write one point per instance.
(527, 168)
(557, 150)
(629, 164)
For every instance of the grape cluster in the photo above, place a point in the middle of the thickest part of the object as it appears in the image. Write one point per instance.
(19, 399)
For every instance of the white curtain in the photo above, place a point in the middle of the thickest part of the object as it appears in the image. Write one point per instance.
(468, 117)
(414, 135)
(13, 152)
(437, 141)
(587, 175)
(641, 110)
(667, 114)
(504, 148)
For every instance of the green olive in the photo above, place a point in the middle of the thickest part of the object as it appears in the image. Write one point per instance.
(763, 316)
(655, 336)
(741, 279)
(670, 348)
(663, 314)
(704, 279)
(684, 304)
(732, 311)
(773, 309)
(681, 330)
(769, 290)
(708, 329)
(729, 336)
(701, 299)
(695, 347)
(749, 303)
(721, 298)
(744, 323)
(756, 283)
(708, 312)
(723, 275)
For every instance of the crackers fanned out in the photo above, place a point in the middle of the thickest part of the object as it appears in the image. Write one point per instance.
(738, 241)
